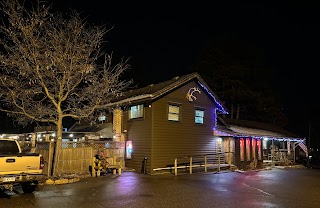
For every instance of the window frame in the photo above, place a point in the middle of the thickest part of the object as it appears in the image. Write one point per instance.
(140, 113)
(178, 114)
(195, 116)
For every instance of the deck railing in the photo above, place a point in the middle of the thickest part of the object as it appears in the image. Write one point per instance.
(197, 161)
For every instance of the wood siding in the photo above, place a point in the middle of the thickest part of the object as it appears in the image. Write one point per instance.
(139, 132)
(183, 138)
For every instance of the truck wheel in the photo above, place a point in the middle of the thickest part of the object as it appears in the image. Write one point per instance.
(28, 187)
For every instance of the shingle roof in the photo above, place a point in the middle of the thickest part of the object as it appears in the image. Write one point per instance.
(154, 91)
(260, 128)
(87, 127)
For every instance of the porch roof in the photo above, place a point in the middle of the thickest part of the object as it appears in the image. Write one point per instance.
(244, 128)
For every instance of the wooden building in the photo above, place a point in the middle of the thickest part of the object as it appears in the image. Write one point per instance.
(163, 121)
(183, 118)
(257, 143)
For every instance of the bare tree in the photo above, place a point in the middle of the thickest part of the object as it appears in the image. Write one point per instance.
(49, 66)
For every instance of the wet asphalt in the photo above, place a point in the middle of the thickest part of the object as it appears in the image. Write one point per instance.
(276, 187)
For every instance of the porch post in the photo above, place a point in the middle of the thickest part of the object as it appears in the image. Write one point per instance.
(117, 124)
(175, 167)
(272, 151)
(205, 163)
(190, 169)
(229, 158)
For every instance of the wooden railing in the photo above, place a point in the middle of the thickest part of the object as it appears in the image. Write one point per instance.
(197, 161)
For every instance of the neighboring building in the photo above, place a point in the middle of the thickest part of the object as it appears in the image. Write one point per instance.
(89, 131)
(257, 142)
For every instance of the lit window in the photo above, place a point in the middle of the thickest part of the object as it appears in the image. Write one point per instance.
(102, 118)
(248, 149)
(198, 119)
(242, 149)
(136, 111)
(173, 114)
(259, 149)
(128, 149)
(254, 151)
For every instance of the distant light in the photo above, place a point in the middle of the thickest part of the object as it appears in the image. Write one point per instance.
(70, 135)
(265, 139)
(102, 118)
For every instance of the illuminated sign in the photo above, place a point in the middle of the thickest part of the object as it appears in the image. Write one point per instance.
(128, 149)
(190, 96)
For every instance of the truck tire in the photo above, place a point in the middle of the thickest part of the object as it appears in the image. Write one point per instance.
(28, 187)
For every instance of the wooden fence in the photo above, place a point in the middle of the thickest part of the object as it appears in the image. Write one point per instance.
(76, 157)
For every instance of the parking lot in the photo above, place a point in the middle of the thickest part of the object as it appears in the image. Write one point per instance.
(277, 187)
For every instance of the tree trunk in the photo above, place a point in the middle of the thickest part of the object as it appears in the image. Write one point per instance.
(238, 111)
(58, 147)
(231, 111)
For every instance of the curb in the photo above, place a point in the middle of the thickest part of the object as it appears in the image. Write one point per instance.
(61, 181)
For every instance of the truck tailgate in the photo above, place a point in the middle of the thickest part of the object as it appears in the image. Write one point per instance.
(22, 162)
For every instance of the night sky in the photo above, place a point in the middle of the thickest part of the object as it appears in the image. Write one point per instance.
(165, 39)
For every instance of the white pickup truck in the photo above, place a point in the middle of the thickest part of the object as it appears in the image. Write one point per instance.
(19, 168)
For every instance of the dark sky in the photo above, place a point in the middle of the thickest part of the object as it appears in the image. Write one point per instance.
(165, 39)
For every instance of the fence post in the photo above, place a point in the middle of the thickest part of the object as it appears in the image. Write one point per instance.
(219, 152)
(190, 170)
(175, 167)
(205, 163)
(33, 142)
(219, 161)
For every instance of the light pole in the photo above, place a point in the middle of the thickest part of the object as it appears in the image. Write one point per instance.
(309, 144)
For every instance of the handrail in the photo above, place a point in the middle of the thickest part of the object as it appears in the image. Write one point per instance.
(202, 155)
(192, 162)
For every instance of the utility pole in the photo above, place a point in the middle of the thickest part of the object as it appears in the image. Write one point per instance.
(309, 144)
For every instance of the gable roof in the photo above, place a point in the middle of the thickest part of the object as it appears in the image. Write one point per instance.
(88, 127)
(155, 91)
